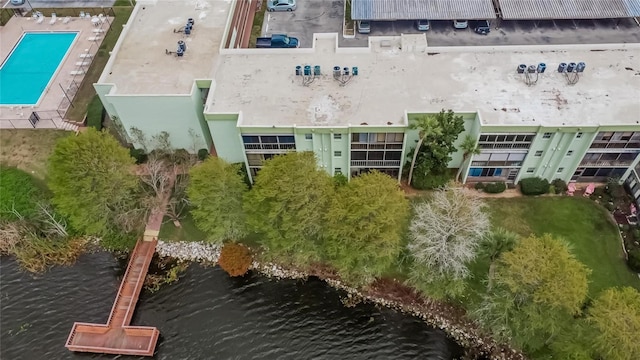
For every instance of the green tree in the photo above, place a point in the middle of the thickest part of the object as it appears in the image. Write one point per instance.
(494, 244)
(364, 226)
(425, 124)
(287, 206)
(93, 184)
(438, 132)
(615, 314)
(469, 147)
(216, 191)
(540, 286)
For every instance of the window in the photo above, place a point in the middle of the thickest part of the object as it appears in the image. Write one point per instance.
(579, 135)
(546, 135)
(570, 152)
(250, 139)
(337, 170)
(560, 170)
(308, 136)
(337, 153)
(530, 170)
(539, 153)
(337, 136)
(269, 139)
(286, 139)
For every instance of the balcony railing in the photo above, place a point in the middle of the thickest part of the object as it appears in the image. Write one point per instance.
(269, 147)
(365, 146)
(496, 163)
(504, 145)
(600, 144)
(606, 162)
(375, 163)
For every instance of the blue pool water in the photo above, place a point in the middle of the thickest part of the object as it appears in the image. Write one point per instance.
(26, 73)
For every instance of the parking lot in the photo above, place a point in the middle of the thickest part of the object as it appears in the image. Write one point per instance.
(38, 4)
(311, 16)
(322, 16)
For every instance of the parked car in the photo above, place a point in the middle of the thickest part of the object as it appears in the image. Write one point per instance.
(281, 5)
(423, 25)
(17, 2)
(460, 24)
(481, 27)
(277, 41)
(364, 27)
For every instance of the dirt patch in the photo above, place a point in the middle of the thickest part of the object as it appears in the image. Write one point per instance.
(29, 149)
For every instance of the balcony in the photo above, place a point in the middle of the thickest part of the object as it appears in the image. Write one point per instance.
(269, 148)
(375, 163)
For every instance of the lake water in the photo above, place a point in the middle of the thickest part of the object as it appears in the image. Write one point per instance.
(207, 315)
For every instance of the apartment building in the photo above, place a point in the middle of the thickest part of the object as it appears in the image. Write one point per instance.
(353, 106)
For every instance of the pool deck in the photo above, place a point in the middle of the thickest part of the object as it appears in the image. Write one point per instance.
(53, 102)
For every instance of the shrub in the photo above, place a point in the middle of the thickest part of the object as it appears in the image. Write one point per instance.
(139, 155)
(552, 190)
(94, 113)
(560, 186)
(495, 188)
(634, 260)
(19, 192)
(429, 181)
(118, 241)
(340, 180)
(235, 259)
(478, 186)
(534, 186)
(203, 154)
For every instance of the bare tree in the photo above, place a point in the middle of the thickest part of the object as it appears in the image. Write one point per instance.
(446, 231)
(52, 224)
(156, 173)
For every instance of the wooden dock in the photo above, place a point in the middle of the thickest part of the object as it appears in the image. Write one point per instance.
(116, 336)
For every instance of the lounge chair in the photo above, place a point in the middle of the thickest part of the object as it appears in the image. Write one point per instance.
(53, 18)
(81, 14)
(589, 190)
(66, 19)
(40, 19)
(571, 188)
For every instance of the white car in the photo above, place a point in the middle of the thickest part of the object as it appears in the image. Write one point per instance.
(460, 24)
(281, 5)
(423, 25)
(364, 27)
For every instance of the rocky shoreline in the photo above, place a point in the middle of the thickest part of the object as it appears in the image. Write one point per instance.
(466, 333)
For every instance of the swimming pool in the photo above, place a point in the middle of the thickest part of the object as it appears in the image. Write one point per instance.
(29, 68)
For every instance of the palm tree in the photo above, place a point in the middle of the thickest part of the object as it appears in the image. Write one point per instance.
(426, 124)
(493, 245)
(468, 147)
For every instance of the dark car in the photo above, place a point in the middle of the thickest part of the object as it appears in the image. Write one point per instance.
(480, 27)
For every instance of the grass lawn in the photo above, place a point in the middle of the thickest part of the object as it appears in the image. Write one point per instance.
(579, 221)
(86, 92)
(187, 232)
(29, 149)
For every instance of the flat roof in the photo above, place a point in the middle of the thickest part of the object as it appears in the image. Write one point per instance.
(568, 9)
(422, 9)
(261, 84)
(141, 65)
